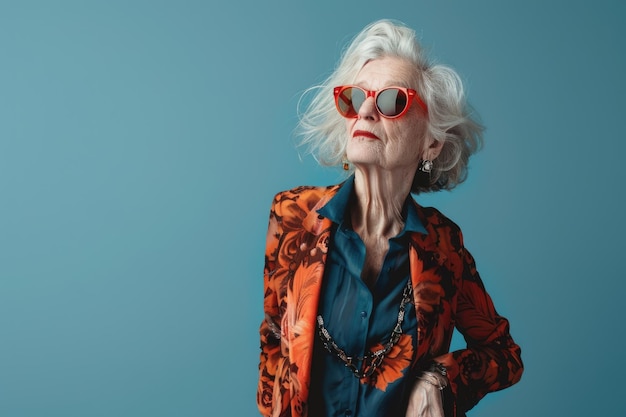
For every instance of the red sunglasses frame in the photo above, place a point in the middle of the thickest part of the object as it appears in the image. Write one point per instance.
(409, 92)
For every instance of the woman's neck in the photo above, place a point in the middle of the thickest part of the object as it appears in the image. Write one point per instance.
(380, 197)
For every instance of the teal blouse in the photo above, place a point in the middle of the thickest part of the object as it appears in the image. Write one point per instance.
(358, 318)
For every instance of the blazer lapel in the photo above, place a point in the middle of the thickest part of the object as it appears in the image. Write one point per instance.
(303, 301)
(425, 258)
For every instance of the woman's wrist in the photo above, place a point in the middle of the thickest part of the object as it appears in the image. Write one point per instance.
(436, 375)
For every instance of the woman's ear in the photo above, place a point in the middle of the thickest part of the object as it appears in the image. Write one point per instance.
(434, 149)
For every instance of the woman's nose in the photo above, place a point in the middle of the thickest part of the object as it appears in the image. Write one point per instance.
(368, 109)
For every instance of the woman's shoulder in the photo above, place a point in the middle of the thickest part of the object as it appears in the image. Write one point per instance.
(303, 199)
(296, 208)
(306, 192)
(443, 232)
(432, 217)
(308, 189)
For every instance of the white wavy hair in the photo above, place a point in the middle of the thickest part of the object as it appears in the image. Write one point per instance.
(451, 119)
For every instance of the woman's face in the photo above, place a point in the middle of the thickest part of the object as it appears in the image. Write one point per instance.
(377, 142)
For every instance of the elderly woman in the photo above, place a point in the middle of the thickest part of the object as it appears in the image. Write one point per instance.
(363, 286)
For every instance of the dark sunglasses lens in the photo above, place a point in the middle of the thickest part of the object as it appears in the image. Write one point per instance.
(391, 102)
(349, 101)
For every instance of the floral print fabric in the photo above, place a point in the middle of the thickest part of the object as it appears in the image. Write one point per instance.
(448, 292)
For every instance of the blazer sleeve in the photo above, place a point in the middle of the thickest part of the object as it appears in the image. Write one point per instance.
(492, 360)
(269, 329)
(293, 227)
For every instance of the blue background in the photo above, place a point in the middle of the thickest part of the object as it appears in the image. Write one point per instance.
(141, 143)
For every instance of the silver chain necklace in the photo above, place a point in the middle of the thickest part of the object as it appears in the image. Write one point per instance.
(372, 359)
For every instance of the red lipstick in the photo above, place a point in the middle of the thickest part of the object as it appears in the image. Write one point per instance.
(365, 134)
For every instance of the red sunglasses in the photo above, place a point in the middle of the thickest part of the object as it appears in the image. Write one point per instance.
(391, 102)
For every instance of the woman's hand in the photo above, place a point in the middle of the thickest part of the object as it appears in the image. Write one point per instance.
(426, 398)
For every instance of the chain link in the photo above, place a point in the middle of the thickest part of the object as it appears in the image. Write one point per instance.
(372, 359)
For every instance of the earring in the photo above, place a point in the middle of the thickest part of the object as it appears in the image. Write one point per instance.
(346, 164)
(426, 165)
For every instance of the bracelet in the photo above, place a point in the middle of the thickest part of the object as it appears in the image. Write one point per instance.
(438, 385)
(439, 368)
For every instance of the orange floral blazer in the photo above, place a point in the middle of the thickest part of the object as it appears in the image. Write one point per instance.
(448, 293)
